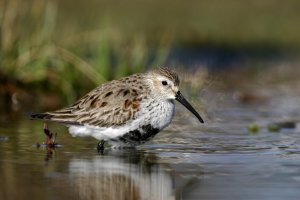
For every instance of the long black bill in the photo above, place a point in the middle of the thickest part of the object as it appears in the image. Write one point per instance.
(186, 104)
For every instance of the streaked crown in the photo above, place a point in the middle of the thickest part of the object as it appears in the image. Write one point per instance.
(170, 74)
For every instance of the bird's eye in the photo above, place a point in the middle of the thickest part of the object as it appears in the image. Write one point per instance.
(164, 83)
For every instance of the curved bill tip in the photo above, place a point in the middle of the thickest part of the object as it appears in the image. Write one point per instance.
(179, 97)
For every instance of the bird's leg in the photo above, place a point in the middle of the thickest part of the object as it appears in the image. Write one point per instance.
(50, 139)
(100, 145)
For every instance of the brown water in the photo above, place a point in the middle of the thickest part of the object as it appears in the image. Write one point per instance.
(217, 160)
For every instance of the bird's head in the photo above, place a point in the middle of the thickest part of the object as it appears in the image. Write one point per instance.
(165, 85)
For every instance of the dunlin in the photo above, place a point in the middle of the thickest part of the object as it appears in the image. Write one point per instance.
(128, 111)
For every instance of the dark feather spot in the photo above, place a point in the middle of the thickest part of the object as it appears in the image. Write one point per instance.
(108, 94)
(92, 97)
(106, 112)
(93, 103)
(134, 92)
(103, 104)
(125, 92)
(127, 103)
(141, 87)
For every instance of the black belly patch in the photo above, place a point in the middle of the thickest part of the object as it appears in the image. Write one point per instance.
(139, 136)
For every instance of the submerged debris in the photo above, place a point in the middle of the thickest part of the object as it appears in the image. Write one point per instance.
(287, 124)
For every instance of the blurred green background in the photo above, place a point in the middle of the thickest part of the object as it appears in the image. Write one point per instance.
(52, 52)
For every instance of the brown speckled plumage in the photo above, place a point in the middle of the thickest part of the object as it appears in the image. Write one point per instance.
(131, 109)
(110, 104)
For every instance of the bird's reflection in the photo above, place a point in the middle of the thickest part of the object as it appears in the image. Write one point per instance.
(121, 175)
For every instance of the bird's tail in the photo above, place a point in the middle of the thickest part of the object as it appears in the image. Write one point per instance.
(44, 116)
(57, 116)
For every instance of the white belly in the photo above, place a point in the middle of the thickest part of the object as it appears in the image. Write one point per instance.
(159, 115)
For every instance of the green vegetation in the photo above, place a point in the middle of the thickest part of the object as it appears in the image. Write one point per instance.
(274, 128)
(68, 47)
(232, 23)
(253, 128)
(34, 54)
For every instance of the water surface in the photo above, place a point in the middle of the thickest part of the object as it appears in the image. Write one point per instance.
(218, 160)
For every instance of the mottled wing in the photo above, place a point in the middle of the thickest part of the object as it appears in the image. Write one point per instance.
(111, 104)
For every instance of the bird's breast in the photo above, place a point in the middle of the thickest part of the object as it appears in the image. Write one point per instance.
(159, 114)
(155, 117)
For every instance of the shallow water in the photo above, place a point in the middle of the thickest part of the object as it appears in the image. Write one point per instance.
(217, 160)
